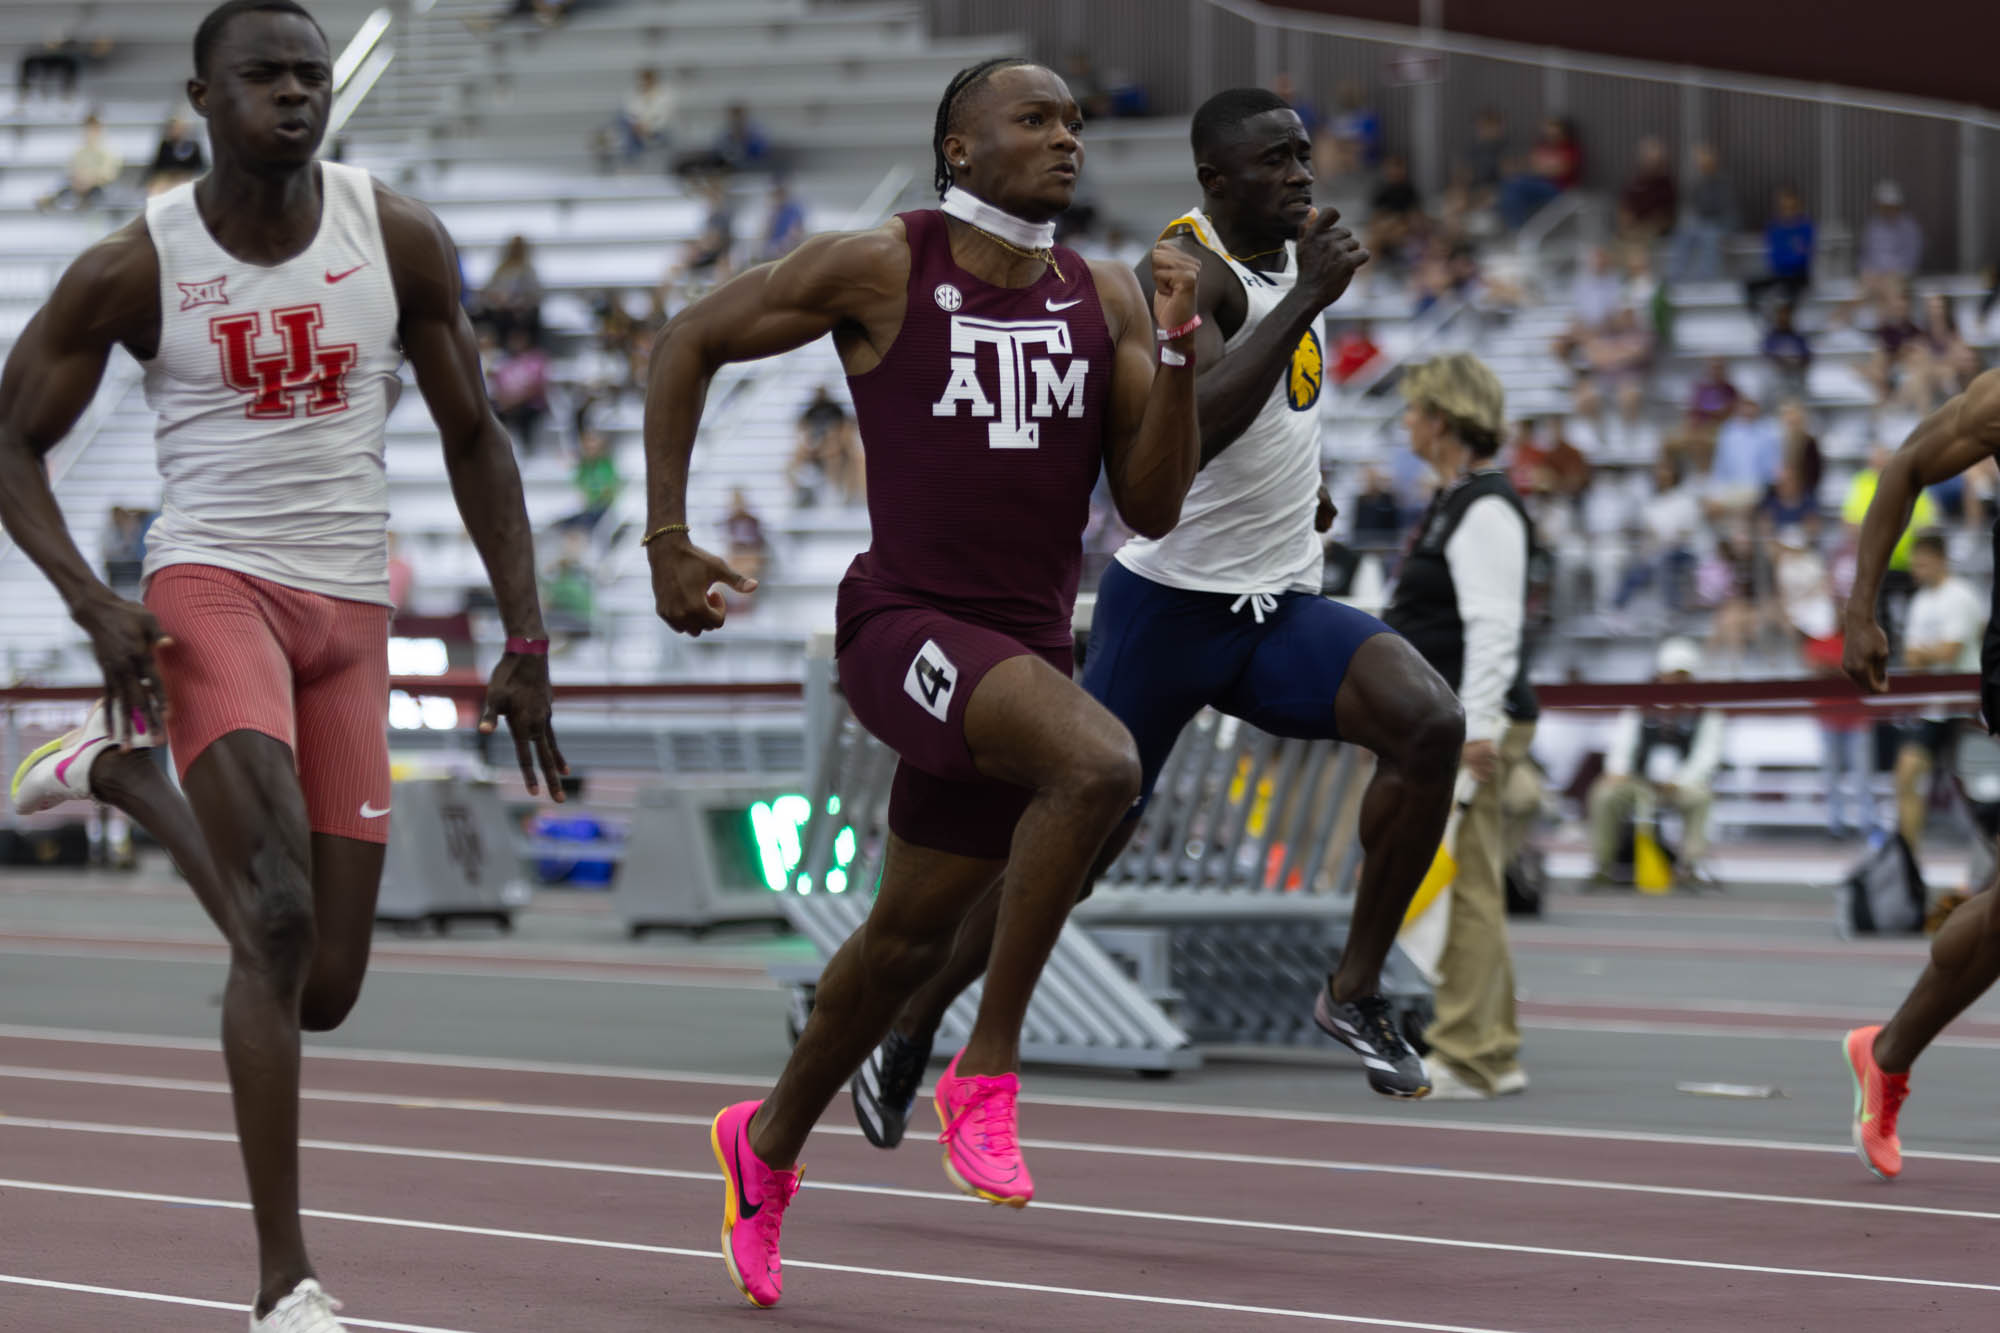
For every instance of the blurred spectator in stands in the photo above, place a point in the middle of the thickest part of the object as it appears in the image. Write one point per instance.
(1378, 518)
(1804, 590)
(596, 480)
(1892, 246)
(744, 533)
(784, 227)
(645, 119)
(1309, 113)
(828, 455)
(125, 548)
(94, 165)
(708, 258)
(1353, 350)
(1708, 216)
(1447, 270)
(548, 13)
(1079, 72)
(1787, 351)
(401, 574)
(1356, 123)
(1659, 758)
(511, 300)
(1667, 532)
(178, 158)
(60, 58)
(1802, 450)
(1650, 200)
(1713, 397)
(1616, 360)
(1554, 165)
(1946, 622)
(520, 388)
(569, 585)
(1790, 503)
(1896, 337)
(1954, 360)
(1486, 160)
(1395, 212)
(742, 145)
(1541, 460)
(1788, 251)
(1749, 447)
(1897, 580)
(1598, 292)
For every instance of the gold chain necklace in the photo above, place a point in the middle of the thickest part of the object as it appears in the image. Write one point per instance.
(1261, 254)
(1045, 254)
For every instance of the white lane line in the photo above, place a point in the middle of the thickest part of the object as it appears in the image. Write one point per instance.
(1344, 1233)
(220, 957)
(707, 1177)
(1411, 1120)
(162, 1298)
(635, 1247)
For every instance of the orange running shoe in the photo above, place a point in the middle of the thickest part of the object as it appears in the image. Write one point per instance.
(1878, 1100)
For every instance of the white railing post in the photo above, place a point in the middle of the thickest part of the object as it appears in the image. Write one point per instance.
(1971, 194)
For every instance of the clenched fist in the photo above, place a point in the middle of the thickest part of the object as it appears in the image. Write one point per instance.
(1176, 274)
(1329, 255)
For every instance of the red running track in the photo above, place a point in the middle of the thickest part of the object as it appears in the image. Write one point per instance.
(468, 1197)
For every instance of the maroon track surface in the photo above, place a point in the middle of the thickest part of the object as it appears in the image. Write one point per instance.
(604, 1215)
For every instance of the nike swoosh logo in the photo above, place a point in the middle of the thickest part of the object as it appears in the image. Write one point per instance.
(62, 769)
(1063, 305)
(745, 1209)
(370, 812)
(336, 277)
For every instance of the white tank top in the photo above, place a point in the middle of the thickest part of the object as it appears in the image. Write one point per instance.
(1247, 524)
(272, 385)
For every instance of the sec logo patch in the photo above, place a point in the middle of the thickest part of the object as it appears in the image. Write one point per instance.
(948, 297)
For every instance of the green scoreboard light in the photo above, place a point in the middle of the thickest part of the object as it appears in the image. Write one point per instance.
(776, 833)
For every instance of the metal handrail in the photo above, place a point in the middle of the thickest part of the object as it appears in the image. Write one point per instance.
(359, 67)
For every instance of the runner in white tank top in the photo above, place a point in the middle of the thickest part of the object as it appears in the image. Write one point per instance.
(1247, 524)
(299, 359)
(272, 303)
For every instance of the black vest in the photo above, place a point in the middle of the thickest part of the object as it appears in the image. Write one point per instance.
(1673, 730)
(1424, 607)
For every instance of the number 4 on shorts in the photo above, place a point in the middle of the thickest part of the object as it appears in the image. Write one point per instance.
(931, 680)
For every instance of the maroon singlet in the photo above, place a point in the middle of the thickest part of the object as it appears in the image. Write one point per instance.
(984, 432)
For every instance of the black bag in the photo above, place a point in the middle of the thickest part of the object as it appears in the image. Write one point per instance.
(1527, 881)
(1885, 894)
(62, 845)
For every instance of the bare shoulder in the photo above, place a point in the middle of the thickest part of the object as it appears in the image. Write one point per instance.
(836, 268)
(1980, 409)
(423, 262)
(111, 292)
(1119, 293)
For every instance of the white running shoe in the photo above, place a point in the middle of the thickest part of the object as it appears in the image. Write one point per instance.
(60, 770)
(1447, 1086)
(307, 1310)
(1512, 1083)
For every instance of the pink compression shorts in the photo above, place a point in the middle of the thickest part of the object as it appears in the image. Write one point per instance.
(308, 670)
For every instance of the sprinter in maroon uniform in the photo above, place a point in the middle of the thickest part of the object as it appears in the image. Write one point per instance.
(993, 375)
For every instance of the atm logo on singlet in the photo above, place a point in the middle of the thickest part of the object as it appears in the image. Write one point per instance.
(1030, 388)
(286, 369)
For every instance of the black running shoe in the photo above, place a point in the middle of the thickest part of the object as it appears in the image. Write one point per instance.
(885, 1088)
(1368, 1027)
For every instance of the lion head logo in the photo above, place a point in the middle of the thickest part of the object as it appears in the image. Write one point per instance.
(1308, 373)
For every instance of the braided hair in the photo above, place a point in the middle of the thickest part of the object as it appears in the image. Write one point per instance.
(969, 77)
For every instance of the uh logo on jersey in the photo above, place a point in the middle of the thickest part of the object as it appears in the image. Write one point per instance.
(1031, 388)
(291, 367)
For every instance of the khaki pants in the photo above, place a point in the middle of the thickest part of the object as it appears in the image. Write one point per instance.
(1613, 801)
(1475, 1032)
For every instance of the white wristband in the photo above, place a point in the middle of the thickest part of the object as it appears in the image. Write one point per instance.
(1169, 357)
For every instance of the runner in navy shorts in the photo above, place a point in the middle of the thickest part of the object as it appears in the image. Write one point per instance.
(1159, 655)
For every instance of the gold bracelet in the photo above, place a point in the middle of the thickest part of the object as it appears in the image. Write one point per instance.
(661, 531)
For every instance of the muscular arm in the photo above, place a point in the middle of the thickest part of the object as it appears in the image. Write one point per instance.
(852, 281)
(1153, 449)
(1231, 389)
(109, 295)
(478, 455)
(1949, 441)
